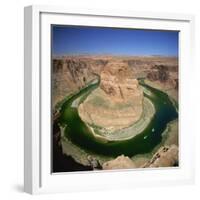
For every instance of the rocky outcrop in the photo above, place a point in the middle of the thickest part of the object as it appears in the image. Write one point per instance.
(118, 83)
(166, 156)
(117, 103)
(121, 162)
(94, 163)
(71, 74)
(159, 72)
(164, 74)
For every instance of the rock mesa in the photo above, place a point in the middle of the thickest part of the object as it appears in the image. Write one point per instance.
(118, 101)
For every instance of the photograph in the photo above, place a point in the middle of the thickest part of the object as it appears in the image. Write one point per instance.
(114, 98)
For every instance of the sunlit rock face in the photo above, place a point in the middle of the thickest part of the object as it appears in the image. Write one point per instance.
(121, 162)
(166, 156)
(117, 81)
(117, 103)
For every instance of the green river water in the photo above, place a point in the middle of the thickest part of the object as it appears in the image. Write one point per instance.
(77, 131)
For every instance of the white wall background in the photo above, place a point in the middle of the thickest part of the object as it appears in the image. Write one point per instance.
(11, 99)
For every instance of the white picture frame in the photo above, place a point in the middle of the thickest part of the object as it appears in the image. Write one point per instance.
(37, 131)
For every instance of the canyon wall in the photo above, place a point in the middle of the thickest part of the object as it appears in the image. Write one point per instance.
(70, 73)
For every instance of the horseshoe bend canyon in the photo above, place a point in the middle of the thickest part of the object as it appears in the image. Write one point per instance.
(114, 112)
(117, 102)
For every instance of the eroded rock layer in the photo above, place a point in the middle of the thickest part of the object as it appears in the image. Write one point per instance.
(70, 73)
(117, 103)
(121, 162)
(117, 81)
(166, 156)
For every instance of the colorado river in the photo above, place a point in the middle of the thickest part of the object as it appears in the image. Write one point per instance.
(77, 131)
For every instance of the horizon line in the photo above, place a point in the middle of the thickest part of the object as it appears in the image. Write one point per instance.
(114, 55)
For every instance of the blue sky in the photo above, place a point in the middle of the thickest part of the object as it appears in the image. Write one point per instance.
(114, 41)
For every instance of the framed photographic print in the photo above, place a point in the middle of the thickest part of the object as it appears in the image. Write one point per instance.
(106, 99)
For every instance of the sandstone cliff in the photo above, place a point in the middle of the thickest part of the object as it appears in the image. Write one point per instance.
(121, 162)
(117, 81)
(117, 103)
(70, 73)
(166, 74)
(166, 156)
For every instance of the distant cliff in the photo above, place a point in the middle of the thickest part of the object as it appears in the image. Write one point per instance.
(70, 73)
